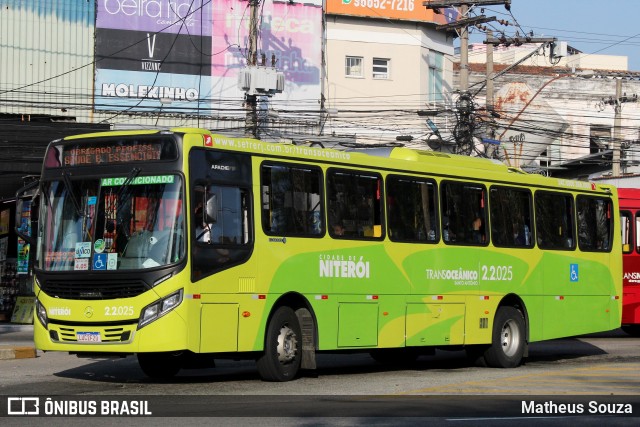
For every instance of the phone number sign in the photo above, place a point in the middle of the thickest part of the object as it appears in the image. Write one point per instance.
(411, 10)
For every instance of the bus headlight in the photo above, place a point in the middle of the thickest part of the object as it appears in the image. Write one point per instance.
(159, 308)
(41, 313)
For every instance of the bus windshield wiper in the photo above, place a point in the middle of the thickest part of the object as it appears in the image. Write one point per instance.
(123, 191)
(69, 187)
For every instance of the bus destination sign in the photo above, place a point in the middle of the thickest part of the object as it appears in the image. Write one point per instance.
(84, 155)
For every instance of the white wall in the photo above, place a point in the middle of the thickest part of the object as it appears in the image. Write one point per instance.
(511, 54)
(581, 102)
(407, 46)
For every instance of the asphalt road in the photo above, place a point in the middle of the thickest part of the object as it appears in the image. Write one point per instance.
(353, 389)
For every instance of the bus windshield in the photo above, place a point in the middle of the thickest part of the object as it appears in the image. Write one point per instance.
(111, 223)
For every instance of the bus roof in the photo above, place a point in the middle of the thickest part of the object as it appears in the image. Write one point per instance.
(397, 157)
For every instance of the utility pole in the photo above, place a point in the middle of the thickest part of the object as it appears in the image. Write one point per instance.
(463, 131)
(463, 24)
(251, 100)
(617, 123)
(490, 149)
(257, 79)
(464, 52)
(616, 143)
(492, 41)
(489, 94)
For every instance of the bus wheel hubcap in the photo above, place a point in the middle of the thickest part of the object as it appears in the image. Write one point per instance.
(287, 345)
(510, 338)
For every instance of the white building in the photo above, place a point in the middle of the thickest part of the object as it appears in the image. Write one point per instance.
(382, 67)
(579, 90)
(574, 59)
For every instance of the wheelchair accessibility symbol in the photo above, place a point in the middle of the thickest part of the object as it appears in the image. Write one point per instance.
(100, 261)
(573, 272)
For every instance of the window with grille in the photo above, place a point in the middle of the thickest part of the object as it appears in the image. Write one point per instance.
(380, 68)
(353, 66)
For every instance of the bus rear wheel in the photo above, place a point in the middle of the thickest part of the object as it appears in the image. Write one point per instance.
(282, 354)
(508, 339)
(160, 366)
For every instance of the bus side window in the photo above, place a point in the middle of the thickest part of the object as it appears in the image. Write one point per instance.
(411, 209)
(511, 215)
(555, 220)
(595, 223)
(637, 241)
(626, 231)
(464, 217)
(292, 200)
(355, 203)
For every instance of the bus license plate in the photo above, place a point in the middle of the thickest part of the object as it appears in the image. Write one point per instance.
(88, 337)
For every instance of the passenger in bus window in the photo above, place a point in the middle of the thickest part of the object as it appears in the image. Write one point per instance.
(338, 229)
(476, 226)
(603, 243)
(519, 238)
(447, 235)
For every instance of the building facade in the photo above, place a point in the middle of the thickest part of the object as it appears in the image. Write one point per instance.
(561, 119)
(74, 66)
(383, 66)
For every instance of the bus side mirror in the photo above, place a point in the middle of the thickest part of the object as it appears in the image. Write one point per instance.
(26, 220)
(211, 209)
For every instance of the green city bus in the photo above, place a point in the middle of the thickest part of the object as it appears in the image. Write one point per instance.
(182, 246)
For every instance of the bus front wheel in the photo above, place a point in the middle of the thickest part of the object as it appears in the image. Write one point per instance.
(508, 339)
(281, 358)
(160, 366)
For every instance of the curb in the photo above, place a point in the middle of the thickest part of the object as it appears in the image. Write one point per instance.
(18, 341)
(13, 327)
(17, 352)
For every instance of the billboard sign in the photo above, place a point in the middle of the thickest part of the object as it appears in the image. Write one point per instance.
(158, 16)
(180, 56)
(145, 51)
(153, 56)
(410, 10)
(289, 32)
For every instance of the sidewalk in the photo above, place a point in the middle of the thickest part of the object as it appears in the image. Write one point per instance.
(16, 341)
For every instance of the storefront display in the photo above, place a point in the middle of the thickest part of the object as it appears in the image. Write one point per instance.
(16, 283)
(9, 288)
